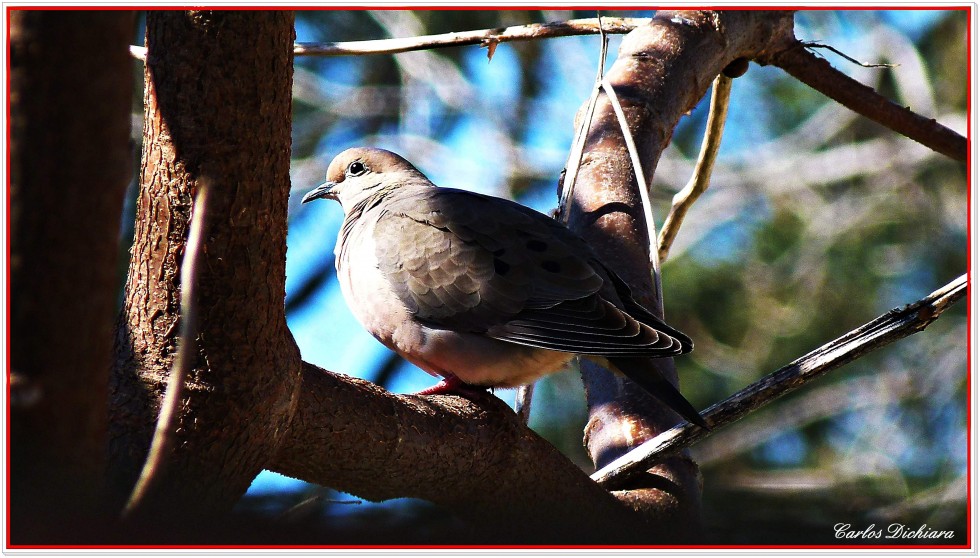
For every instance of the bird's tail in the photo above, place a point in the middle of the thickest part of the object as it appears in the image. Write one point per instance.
(643, 372)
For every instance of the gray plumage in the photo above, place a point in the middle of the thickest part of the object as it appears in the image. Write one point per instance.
(481, 288)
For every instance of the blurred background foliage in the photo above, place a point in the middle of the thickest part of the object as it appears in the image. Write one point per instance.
(817, 220)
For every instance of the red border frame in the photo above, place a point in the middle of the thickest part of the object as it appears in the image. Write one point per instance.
(969, 294)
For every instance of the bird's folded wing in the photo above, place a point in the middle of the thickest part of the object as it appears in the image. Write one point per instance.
(602, 330)
(470, 263)
(638, 311)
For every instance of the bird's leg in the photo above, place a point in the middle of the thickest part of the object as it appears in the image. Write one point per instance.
(445, 385)
(451, 385)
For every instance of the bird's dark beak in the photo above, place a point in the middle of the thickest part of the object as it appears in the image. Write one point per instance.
(325, 190)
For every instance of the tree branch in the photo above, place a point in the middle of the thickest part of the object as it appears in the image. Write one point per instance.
(474, 458)
(483, 37)
(817, 72)
(684, 200)
(884, 330)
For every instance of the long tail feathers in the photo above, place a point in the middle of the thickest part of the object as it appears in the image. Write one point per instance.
(642, 371)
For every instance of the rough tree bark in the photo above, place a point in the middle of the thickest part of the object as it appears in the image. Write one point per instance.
(217, 109)
(70, 98)
(472, 457)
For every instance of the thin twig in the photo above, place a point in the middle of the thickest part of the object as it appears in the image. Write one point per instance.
(814, 44)
(313, 505)
(854, 394)
(641, 184)
(163, 436)
(484, 37)
(683, 200)
(886, 329)
(578, 144)
(816, 72)
(523, 405)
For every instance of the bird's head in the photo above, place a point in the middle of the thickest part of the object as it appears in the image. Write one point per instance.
(364, 172)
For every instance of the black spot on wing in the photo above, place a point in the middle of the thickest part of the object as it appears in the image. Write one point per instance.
(500, 267)
(537, 245)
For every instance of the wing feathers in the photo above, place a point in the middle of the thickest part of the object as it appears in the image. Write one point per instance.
(465, 262)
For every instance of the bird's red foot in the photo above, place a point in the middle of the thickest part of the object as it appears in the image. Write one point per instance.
(451, 385)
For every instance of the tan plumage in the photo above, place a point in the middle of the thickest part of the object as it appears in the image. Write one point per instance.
(483, 289)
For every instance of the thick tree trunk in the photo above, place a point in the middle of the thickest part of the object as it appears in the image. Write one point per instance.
(70, 100)
(217, 109)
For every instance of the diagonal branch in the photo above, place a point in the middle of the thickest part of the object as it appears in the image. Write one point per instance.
(584, 121)
(472, 457)
(886, 329)
(816, 72)
(641, 186)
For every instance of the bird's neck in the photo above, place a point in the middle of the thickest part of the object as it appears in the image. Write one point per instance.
(351, 219)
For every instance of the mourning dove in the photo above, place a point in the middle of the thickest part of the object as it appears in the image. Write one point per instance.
(483, 291)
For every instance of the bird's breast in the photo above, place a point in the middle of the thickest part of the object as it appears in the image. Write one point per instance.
(365, 289)
(483, 361)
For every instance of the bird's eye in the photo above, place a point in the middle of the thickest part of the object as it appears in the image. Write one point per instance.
(356, 168)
